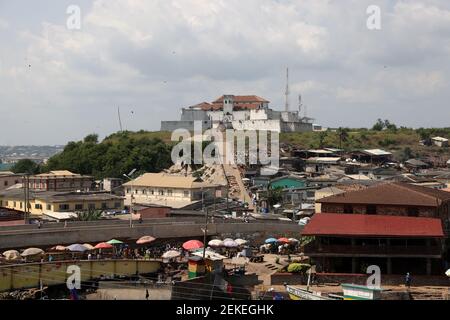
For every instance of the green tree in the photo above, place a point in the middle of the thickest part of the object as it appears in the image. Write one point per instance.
(26, 166)
(343, 136)
(379, 125)
(322, 137)
(275, 195)
(90, 215)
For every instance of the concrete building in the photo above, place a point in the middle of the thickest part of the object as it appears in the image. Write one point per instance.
(8, 179)
(440, 141)
(239, 113)
(62, 180)
(41, 202)
(168, 190)
(111, 184)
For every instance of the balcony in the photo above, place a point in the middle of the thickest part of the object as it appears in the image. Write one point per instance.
(372, 251)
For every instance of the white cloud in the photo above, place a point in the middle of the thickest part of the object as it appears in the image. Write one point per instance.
(154, 57)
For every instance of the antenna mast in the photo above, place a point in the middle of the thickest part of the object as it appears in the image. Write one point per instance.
(300, 104)
(120, 120)
(287, 90)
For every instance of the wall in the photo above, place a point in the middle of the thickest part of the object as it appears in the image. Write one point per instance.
(188, 125)
(54, 207)
(53, 273)
(269, 125)
(152, 213)
(7, 181)
(170, 228)
(361, 279)
(381, 209)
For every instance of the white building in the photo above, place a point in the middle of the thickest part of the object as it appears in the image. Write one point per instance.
(239, 113)
(168, 190)
(440, 141)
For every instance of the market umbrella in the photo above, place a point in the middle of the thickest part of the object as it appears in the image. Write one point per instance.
(32, 252)
(114, 241)
(283, 240)
(230, 244)
(448, 273)
(241, 242)
(88, 246)
(271, 240)
(192, 245)
(103, 245)
(11, 255)
(58, 248)
(293, 240)
(171, 254)
(77, 248)
(145, 240)
(215, 243)
(228, 239)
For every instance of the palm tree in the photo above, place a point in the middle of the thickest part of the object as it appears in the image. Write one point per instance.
(343, 136)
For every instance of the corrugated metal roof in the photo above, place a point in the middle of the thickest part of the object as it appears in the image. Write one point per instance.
(396, 193)
(357, 225)
(163, 180)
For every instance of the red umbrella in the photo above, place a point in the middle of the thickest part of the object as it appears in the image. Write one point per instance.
(193, 245)
(103, 245)
(146, 239)
(283, 240)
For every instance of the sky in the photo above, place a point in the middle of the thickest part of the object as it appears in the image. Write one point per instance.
(151, 58)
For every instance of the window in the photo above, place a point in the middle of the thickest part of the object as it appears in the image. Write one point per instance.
(117, 205)
(5, 183)
(128, 191)
(348, 209)
(36, 206)
(161, 192)
(371, 209)
(186, 194)
(144, 191)
(6, 203)
(153, 192)
(169, 193)
(14, 204)
(104, 205)
(64, 207)
(78, 207)
(413, 212)
(49, 207)
(91, 206)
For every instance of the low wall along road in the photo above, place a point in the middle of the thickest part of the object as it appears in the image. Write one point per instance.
(23, 276)
(167, 228)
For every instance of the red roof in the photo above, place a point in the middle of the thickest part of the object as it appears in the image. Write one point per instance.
(243, 99)
(358, 225)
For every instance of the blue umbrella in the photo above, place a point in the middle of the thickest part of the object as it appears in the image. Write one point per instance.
(77, 248)
(271, 240)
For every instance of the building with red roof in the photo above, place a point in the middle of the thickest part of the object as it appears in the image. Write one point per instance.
(349, 243)
(239, 112)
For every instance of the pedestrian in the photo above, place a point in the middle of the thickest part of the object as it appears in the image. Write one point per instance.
(408, 280)
(147, 294)
(89, 256)
(39, 224)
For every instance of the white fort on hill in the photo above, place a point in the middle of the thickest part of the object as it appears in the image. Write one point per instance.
(239, 113)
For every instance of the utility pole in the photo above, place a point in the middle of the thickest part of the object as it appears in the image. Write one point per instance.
(287, 90)
(26, 191)
(129, 177)
(205, 233)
